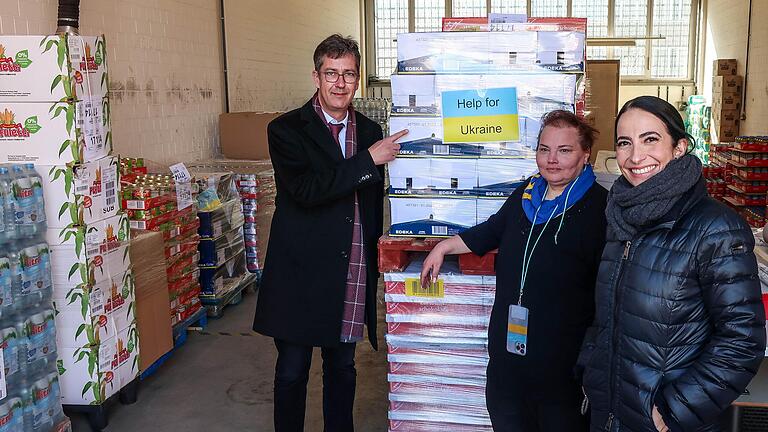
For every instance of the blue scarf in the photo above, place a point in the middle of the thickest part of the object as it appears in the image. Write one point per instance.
(534, 193)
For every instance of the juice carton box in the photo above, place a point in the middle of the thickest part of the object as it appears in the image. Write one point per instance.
(52, 68)
(90, 314)
(91, 374)
(82, 193)
(55, 133)
(89, 254)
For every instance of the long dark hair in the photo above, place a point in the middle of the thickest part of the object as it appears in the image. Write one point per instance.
(664, 111)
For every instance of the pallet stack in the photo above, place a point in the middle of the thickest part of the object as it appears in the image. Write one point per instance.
(155, 202)
(727, 90)
(223, 269)
(698, 118)
(56, 115)
(452, 173)
(748, 183)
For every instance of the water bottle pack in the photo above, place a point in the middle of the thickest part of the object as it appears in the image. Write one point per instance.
(30, 401)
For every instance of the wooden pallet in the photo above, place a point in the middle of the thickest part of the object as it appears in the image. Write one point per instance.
(396, 253)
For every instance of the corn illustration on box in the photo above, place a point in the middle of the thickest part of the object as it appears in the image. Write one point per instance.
(82, 193)
(89, 254)
(89, 314)
(53, 68)
(90, 375)
(55, 133)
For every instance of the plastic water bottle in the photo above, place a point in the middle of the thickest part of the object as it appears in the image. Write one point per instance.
(37, 189)
(10, 341)
(46, 290)
(42, 396)
(7, 207)
(25, 202)
(56, 411)
(32, 278)
(7, 280)
(12, 413)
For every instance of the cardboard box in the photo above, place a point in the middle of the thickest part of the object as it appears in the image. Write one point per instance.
(490, 52)
(724, 67)
(500, 177)
(462, 52)
(725, 134)
(425, 139)
(433, 176)
(730, 84)
(431, 217)
(52, 68)
(90, 375)
(244, 135)
(487, 207)
(89, 254)
(57, 134)
(152, 304)
(721, 102)
(82, 193)
(87, 315)
(538, 93)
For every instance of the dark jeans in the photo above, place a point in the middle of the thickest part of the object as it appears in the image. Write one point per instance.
(513, 409)
(292, 375)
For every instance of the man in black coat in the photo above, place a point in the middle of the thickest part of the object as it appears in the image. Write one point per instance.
(320, 275)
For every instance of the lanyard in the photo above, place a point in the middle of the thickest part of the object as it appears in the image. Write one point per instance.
(526, 256)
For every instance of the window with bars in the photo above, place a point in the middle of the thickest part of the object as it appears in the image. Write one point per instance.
(509, 6)
(429, 15)
(469, 8)
(658, 33)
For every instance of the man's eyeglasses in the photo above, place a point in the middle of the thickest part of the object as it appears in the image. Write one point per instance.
(333, 77)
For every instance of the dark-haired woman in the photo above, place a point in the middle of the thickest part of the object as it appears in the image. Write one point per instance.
(680, 327)
(550, 233)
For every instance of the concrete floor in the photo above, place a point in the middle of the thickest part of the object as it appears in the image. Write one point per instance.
(218, 383)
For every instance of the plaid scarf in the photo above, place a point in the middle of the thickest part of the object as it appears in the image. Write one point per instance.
(353, 317)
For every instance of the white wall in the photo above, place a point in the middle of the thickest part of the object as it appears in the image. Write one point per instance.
(726, 37)
(166, 79)
(270, 48)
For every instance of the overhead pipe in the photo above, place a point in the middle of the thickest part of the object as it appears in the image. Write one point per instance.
(69, 17)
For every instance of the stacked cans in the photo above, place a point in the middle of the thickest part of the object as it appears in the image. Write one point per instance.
(248, 187)
(155, 202)
(437, 350)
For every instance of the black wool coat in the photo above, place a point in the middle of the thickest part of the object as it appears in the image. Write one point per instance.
(301, 298)
(680, 323)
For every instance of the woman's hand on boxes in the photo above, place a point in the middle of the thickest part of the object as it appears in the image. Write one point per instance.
(385, 150)
(431, 267)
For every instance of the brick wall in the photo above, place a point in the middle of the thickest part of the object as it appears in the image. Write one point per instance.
(270, 48)
(164, 59)
(726, 37)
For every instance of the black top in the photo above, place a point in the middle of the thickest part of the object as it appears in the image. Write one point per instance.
(559, 291)
(301, 298)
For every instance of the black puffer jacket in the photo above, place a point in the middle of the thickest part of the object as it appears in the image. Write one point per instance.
(679, 321)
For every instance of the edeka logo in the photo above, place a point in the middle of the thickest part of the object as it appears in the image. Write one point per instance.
(487, 115)
(11, 64)
(10, 129)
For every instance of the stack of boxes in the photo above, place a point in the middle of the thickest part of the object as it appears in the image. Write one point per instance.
(441, 183)
(56, 114)
(223, 270)
(155, 202)
(484, 85)
(747, 179)
(727, 90)
(436, 341)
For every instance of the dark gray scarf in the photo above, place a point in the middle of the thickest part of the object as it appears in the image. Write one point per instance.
(632, 207)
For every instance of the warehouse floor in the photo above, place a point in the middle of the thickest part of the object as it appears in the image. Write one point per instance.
(222, 381)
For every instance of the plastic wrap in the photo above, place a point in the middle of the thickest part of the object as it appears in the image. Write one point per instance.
(431, 217)
(500, 177)
(218, 281)
(227, 217)
(489, 52)
(431, 426)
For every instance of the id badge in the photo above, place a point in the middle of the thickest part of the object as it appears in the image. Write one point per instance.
(517, 330)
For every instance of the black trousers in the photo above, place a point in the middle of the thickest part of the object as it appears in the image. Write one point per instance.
(514, 409)
(292, 375)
